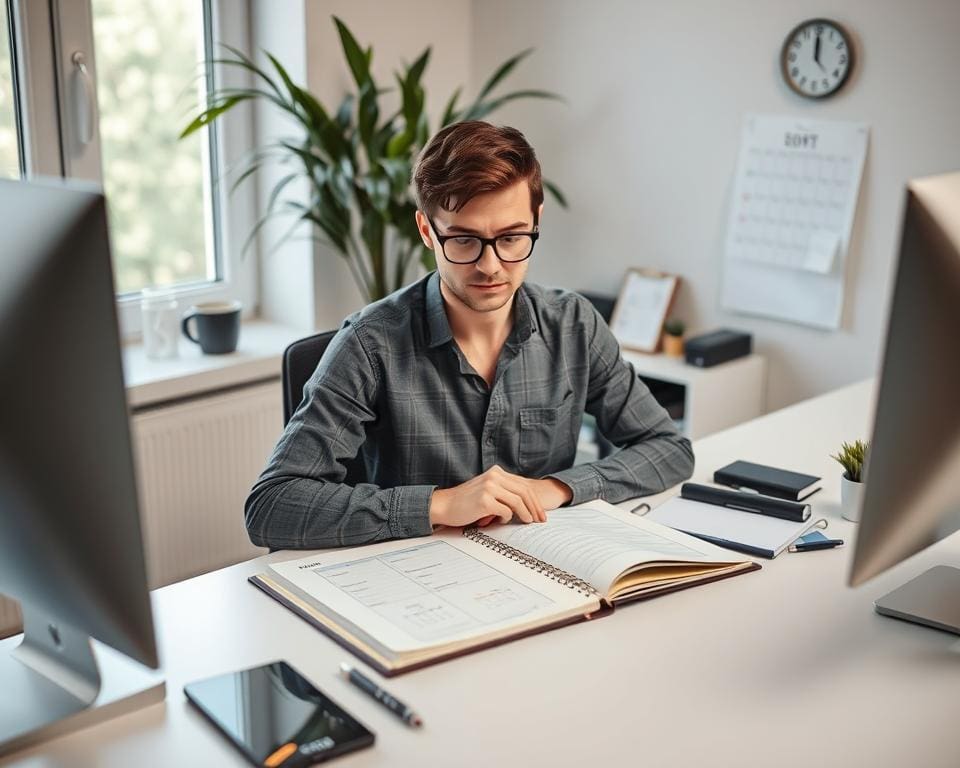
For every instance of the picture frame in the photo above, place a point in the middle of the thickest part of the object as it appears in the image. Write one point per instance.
(645, 300)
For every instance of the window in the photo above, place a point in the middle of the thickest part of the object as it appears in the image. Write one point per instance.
(149, 79)
(9, 145)
(104, 90)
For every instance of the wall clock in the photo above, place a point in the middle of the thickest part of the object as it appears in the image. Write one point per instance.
(817, 58)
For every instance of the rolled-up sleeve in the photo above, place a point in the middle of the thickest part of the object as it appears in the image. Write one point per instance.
(301, 499)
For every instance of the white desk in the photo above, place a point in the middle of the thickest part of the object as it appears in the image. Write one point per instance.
(785, 666)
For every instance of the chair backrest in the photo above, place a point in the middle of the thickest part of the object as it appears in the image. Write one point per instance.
(300, 360)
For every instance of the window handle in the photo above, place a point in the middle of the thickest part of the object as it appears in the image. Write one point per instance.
(84, 106)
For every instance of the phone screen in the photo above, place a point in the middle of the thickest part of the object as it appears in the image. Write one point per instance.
(277, 717)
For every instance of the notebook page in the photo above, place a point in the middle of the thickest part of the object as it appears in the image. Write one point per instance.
(411, 596)
(597, 542)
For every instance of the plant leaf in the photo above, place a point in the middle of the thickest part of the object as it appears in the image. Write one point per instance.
(369, 113)
(212, 113)
(278, 189)
(479, 111)
(382, 138)
(242, 60)
(449, 112)
(415, 71)
(554, 190)
(357, 59)
(502, 71)
(345, 112)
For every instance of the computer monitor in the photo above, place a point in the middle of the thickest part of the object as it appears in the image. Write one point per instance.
(70, 539)
(912, 483)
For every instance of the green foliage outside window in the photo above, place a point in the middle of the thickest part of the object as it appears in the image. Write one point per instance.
(146, 58)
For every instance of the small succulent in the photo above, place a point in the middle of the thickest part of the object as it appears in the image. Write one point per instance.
(851, 457)
(674, 327)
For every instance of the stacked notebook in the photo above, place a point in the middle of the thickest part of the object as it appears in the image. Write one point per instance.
(770, 481)
(405, 604)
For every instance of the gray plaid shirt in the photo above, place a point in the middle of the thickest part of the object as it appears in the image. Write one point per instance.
(395, 410)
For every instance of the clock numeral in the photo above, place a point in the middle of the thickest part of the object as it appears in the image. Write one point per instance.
(841, 45)
(819, 29)
(803, 80)
(792, 56)
(843, 59)
(813, 85)
(806, 33)
(797, 44)
(795, 71)
(826, 83)
(831, 34)
(836, 73)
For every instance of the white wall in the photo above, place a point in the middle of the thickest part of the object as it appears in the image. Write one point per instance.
(286, 267)
(646, 144)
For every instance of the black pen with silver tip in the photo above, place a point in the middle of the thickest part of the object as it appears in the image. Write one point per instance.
(392, 703)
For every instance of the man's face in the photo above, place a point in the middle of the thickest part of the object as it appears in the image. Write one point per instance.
(488, 284)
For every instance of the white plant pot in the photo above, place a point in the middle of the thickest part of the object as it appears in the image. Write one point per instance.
(851, 499)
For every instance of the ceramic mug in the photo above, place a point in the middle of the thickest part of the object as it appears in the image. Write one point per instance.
(217, 326)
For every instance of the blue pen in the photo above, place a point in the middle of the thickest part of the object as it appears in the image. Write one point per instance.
(809, 546)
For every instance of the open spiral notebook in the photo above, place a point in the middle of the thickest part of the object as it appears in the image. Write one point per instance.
(401, 605)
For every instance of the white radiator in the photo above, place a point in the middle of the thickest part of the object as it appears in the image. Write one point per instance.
(196, 462)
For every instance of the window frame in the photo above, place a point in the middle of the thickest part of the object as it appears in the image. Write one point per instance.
(45, 36)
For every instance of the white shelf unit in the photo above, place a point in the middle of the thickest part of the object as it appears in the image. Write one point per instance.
(711, 399)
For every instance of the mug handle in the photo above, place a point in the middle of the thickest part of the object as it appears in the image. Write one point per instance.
(186, 329)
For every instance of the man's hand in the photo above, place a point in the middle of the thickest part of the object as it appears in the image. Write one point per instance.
(497, 495)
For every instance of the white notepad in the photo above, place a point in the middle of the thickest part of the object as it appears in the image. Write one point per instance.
(747, 532)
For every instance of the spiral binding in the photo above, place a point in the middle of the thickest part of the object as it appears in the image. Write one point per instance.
(551, 572)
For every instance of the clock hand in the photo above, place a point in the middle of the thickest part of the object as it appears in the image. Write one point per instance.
(816, 53)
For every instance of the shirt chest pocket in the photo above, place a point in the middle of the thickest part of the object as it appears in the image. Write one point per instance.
(547, 438)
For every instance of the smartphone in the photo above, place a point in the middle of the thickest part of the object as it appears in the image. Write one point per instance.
(276, 717)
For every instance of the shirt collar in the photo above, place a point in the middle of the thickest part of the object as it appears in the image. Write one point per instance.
(439, 326)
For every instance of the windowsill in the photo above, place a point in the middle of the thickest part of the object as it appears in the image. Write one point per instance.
(258, 357)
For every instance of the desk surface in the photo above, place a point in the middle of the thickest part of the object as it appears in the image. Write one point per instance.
(785, 666)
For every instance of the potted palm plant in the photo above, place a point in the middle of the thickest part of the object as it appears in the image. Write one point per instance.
(851, 457)
(357, 158)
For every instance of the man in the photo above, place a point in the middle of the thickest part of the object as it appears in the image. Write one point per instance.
(458, 399)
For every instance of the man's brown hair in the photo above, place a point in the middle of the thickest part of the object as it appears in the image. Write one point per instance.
(469, 158)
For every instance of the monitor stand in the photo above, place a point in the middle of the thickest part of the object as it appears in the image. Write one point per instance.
(931, 599)
(58, 679)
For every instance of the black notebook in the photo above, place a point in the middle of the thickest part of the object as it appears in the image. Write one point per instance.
(770, 481)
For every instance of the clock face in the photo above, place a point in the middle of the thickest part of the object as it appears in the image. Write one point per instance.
(816, 58)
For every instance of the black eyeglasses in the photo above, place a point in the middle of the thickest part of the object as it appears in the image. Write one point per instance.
(467, 249)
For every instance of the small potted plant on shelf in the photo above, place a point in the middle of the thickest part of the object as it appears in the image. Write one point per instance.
(851, 457)
(673, 337)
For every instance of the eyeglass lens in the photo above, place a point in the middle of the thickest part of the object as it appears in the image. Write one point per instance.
(508, 248)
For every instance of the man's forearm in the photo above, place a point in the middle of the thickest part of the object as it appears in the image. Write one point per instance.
(302, 513)
(648, 467)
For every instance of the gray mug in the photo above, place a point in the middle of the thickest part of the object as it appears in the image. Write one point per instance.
(217, 326)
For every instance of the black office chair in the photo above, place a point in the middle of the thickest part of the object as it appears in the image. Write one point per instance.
(300, 360)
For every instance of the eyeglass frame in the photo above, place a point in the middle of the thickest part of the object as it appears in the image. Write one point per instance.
(534, 235)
